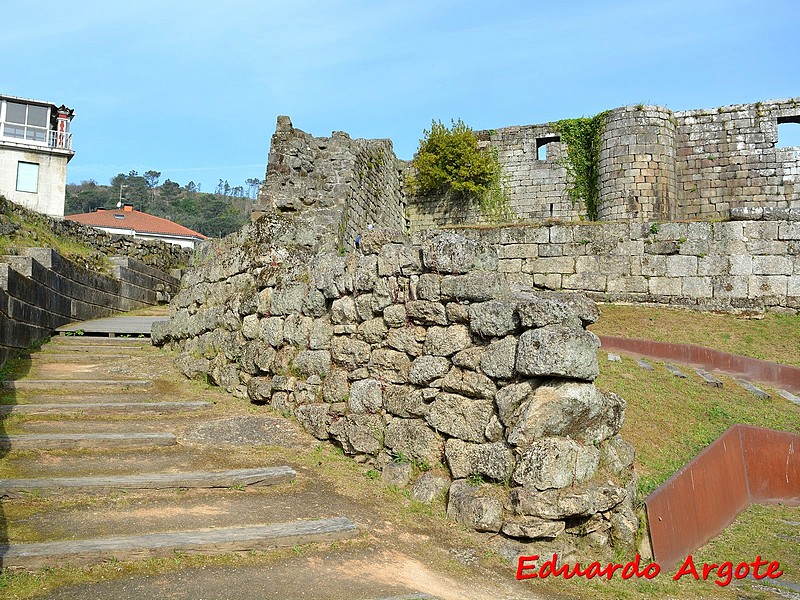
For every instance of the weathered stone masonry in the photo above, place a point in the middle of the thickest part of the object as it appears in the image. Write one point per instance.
(342, 183)
(655, 165)
(739, 266)
(422, 353)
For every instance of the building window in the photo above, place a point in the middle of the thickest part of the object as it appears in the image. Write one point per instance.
(26, 122)
(541, 146)
(27, 177)
(789, 131)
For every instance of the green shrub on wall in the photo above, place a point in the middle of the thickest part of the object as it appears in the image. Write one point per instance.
(449, 162)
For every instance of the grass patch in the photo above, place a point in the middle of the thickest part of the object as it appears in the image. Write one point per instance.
(35, 233)
(775, 337)
(669, 420)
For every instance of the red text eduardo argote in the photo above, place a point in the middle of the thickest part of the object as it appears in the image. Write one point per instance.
(529, 567)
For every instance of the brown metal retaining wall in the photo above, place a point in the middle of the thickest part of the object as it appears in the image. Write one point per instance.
(754, 369)
(744, 465)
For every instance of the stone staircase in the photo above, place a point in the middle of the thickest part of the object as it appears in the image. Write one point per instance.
(102, 462)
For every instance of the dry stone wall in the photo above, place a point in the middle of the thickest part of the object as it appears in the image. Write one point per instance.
(737, 266)
(159, 255)
(337, 183)
(420, 354)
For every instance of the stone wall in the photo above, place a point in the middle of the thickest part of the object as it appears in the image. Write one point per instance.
(536, 189)
(420, 356)
(727, 157)
(337, 186)
(654, 164)
(739, 266)
(159, 255)
(40, 290)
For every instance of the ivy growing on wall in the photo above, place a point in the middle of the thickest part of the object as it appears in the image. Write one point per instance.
(449, 162)
(582, 138)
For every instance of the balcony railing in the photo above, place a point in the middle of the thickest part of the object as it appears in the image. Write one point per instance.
(36, 136)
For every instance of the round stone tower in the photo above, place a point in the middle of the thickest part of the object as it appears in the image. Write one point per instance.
(637, 165)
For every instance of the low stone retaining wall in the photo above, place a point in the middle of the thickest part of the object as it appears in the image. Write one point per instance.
(160, 255)
(420, 356)
(738, 266)
(41, 290)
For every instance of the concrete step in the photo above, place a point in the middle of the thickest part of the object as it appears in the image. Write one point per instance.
(50, 441)
(49, 384)
(12, 488)
(203, 541)
(103, 407)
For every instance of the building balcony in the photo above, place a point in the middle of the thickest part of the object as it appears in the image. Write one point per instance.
(20, 135)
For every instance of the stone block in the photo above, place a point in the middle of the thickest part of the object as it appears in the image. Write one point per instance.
(494, 461)
(550, 282)
(698, 287)
(446, 341)
(558, 351)
(555, 463)
(459, 416)
(428, 487)
(452, 253)
(366, 396)
(759, 286)
(415, 440)
(681, 266)
(426, 311)
(567, 409)
(494, 318)
(772, 265)
(549, 266)
(665, 286)
(585, 281)
(475, 507)
(498, 359)
(468, 383)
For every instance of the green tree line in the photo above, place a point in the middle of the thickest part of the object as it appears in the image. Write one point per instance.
(214, 214)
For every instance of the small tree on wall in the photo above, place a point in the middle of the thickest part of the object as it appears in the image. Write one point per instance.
(449, 162)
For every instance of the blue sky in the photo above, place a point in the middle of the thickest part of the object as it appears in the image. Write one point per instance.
(193, 89)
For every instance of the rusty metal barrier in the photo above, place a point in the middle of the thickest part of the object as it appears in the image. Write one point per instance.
(751, 368)
(745, 465)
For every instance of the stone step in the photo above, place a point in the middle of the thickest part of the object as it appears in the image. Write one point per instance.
(76, 397)
(64, 343)
(75, 356)
(789, 396)
(50, 441)
(103, 407)
(756, 391)
(203, 541)
(675, 371)
(708, 378)
(12, 488)
(49, 384)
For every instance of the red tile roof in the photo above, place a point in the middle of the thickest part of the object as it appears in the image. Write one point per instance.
(128, 218)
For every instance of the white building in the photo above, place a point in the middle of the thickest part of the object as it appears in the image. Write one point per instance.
(35, 147)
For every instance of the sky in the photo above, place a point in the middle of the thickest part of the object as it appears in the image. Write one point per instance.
(193, 89)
